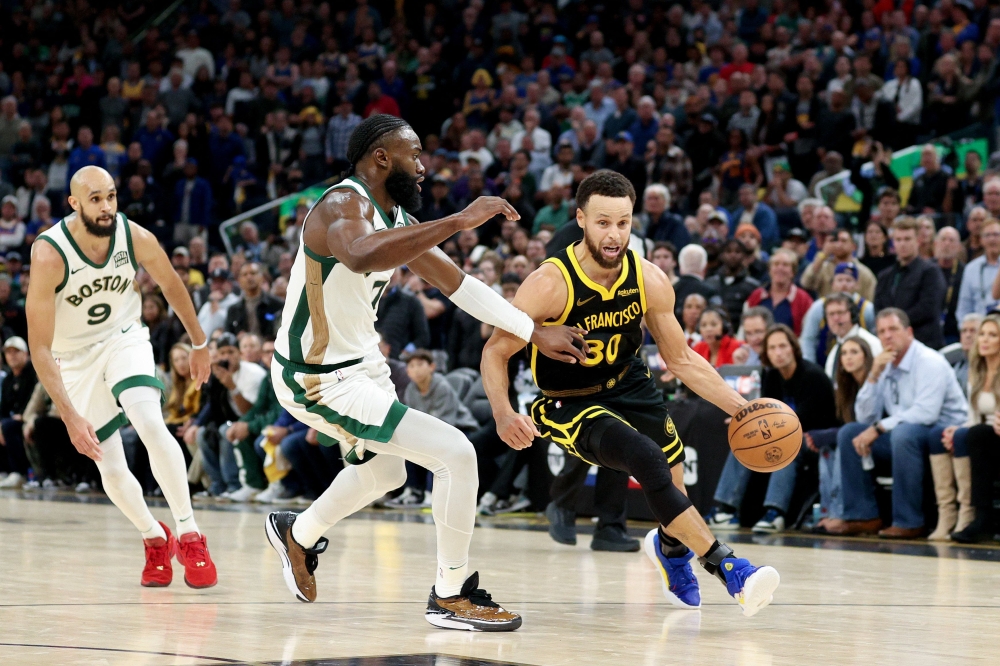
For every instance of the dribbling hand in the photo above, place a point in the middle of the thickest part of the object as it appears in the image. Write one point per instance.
(517, 430)
(83, 436)
(486, 208)
(201, 366)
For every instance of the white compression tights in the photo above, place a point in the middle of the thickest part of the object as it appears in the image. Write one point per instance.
(142, 406)
(430, 443)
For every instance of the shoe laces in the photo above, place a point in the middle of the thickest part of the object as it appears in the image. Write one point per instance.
(157, 556)
(681, 575)
(195, 551)
(481, 597)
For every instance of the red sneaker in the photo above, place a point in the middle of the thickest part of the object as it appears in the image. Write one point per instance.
(199, 570)
(158, 572)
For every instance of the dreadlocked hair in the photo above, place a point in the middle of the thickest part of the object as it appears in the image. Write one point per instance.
(366, 136)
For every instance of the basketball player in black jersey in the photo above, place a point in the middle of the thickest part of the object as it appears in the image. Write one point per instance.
(607, 409)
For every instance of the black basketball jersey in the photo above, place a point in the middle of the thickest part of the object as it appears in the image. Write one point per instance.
(613, 318)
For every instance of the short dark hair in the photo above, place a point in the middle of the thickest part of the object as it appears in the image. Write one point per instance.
(738, 244)
(605, 183)
(793, 340)
(664, 245)
(758, 311)
(367, 136)
(419, 354)
(889, 192)
(904, 318)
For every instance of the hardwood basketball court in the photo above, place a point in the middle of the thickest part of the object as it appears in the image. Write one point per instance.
(70, 594)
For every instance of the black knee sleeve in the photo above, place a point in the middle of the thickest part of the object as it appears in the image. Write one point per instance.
(618, 446)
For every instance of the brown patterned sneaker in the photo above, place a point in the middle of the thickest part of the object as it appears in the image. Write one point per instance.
(471, 609)
(297, 563)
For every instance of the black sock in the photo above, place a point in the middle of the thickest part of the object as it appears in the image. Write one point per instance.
(725, 508)
(671, 547)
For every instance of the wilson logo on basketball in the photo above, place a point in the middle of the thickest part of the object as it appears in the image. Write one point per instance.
(773, 454)
(754, 407)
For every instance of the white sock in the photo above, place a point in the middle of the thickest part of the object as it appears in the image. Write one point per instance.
(123, 488)
(354, 488)
(186, 525)
(450, 579)
(142, 406)
(155, 532)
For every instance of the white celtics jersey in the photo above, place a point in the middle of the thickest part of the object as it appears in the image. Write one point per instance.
(329, 316)
(94, 301)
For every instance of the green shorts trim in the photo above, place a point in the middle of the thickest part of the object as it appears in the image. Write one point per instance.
(111, 427)
(377, 433)
(311, 369)
(138, 380)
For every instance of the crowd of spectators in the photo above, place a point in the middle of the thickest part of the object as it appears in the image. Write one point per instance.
(724, 115)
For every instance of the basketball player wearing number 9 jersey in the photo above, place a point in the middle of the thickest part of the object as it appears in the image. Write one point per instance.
(607, 409)
(92, 355)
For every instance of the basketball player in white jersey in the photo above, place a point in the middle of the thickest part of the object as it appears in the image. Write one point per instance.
(92, 354)
(328, 371)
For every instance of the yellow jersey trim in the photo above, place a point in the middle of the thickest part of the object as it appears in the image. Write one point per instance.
(606, 294)
(569, 292)
(638, 278)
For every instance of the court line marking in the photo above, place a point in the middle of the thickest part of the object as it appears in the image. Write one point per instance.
(103, 649)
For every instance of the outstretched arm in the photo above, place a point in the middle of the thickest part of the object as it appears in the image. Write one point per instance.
(47, 272)
(152, 257)
(351, 238)
(696, 373)
(468, 293)
(541, 297)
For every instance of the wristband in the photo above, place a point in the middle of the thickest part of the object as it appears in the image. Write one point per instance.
(201, 346)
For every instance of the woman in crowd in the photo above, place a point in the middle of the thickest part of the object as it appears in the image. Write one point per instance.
(717, 342)
(694, 305)
(877, 253)
(972, 461)
(155, 317)
(925, 236)
(185, 398)
(852, 371)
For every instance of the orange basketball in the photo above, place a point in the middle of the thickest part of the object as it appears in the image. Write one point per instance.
(765, 435)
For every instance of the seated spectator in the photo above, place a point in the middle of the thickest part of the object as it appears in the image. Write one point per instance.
(757, 213)
(257, 311)
(556, 212)
(950, 447)
(913, 285)
(15, 392)
(664, 256)
(805, 388)
(232, 391)
(12, 229)
(838, 249)
(916, 387)
(968, 332)
(980, 274)
(184, 398)
(732, 281)
(401, 319)
(692, 263)
(947, 251)
(820, 334)
(192, 204)
(754, 324)
(756, 262)
(717, 343)
(50, 452)
(976, 523)
(787, 302)
(656, 222)
(854, 362)
(929, 187)
(430, 393)
(877, 254)
(694, 305)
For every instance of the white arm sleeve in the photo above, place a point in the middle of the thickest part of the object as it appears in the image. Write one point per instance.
(489, 307)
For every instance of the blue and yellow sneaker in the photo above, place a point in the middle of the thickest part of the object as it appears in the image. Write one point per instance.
(679, 583)
(753, 587)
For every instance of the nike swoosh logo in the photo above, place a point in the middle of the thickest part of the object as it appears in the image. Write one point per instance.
(76, 271)
(126, 330)
(580, 302)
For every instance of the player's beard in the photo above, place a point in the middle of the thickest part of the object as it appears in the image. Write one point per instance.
(598, 256)
(95, 228)
(403, 189)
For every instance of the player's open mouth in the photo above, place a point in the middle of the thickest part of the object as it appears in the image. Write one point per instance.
(611, 252)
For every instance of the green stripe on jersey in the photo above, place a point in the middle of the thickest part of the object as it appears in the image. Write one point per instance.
(128, 240)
